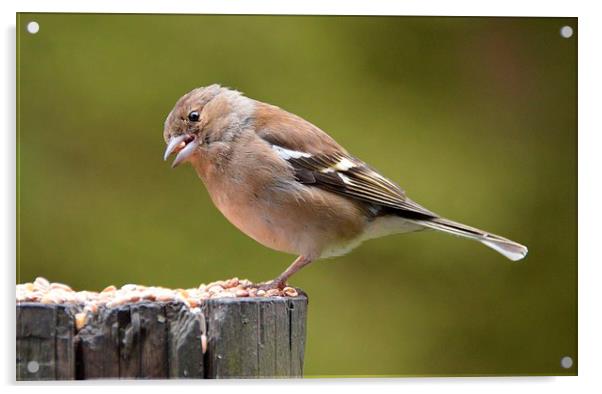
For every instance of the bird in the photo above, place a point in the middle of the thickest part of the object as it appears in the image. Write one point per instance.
(290, 186)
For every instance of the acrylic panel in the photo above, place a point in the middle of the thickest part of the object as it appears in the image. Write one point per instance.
(475, 118)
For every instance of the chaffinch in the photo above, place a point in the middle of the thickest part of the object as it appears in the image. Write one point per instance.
(289, 185)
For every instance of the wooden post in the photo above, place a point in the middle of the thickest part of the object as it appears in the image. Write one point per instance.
(255, 337)
(45, 342)
(247, 337)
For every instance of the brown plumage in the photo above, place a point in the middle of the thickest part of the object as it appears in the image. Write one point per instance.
(289, 185)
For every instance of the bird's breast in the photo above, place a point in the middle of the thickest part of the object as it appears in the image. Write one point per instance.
(291, 219)
(259, 218)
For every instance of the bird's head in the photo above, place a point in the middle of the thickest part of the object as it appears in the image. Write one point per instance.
(200, 117)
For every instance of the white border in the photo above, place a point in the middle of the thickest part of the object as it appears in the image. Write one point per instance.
(348, 7)
(590, 173)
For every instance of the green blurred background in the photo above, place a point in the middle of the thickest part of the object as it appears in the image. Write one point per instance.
(475, 117)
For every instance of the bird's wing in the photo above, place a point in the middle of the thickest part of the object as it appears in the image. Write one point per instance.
(319, 161)
(343, 174)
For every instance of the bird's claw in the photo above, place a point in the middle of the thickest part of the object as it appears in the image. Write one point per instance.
(269, 285)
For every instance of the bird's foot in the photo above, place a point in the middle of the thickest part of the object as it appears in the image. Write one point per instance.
(269, 285)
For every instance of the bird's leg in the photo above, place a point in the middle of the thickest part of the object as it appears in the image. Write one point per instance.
(280, 281)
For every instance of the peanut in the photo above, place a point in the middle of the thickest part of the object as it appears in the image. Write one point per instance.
(80, 320)
(41, 284)
(290, 291)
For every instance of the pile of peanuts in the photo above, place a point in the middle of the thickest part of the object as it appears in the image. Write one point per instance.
(42, 291)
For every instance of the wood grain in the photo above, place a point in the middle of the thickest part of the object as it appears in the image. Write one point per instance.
(246, 338)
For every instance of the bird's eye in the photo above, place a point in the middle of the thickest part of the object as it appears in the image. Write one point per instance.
(193, 116)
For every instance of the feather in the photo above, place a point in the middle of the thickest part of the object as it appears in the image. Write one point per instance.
(510, 249)
(345, 175)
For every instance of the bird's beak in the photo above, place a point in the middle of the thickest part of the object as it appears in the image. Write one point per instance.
(184, 144)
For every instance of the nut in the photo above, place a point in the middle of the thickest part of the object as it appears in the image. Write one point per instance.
(215, 289)
(41, 284)
(245, 283)
(224, 294)
(260, 292)
(241, 293)
(290, 291)
(183, 293)
(109, 289)
(81, 298)
(80, 320)
(50, 298)
(164, 297)
(148, 295)
(182, 300)
(65, 296)
(232, 282)
(33, 296)
(133, 298)
(273, 292)
(193, 293)
(119, 300)
(60, 286)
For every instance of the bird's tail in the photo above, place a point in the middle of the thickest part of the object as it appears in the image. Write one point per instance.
(512, 250)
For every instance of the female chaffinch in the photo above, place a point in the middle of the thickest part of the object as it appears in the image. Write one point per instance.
(289, 185)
